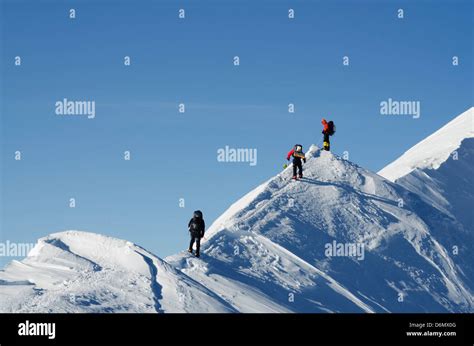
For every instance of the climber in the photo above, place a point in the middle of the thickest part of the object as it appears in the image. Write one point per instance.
(298, 155)
(196, 228)
(328, 130)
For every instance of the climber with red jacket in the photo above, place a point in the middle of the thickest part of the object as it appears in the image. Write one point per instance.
(328, 130)
(298, 155)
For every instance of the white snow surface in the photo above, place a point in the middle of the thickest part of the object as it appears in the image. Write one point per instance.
(274, 239)
(440, 169)
(431, 152)
(267, 252)
(77, 271)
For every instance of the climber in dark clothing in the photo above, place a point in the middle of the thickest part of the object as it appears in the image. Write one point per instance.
(298, 155)
(196, 228)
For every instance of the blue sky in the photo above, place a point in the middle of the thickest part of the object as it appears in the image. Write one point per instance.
(190, 61)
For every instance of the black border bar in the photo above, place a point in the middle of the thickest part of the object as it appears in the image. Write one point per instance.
(261, 329)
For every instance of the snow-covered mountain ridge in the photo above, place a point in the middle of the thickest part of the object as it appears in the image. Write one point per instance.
(76, 271)
(434, 150)
(343, 239)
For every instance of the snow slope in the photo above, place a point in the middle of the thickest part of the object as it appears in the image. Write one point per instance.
(440, 170)
(274, 239)
(267, 252)
(431, 152)
(85, 272)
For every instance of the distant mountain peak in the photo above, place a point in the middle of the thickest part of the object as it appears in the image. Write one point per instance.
(435, 149)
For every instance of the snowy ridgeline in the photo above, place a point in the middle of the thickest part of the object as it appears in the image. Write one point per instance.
(343, 239)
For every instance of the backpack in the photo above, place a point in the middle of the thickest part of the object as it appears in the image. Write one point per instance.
(194, 227)
(331, 128)
(298, 151)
